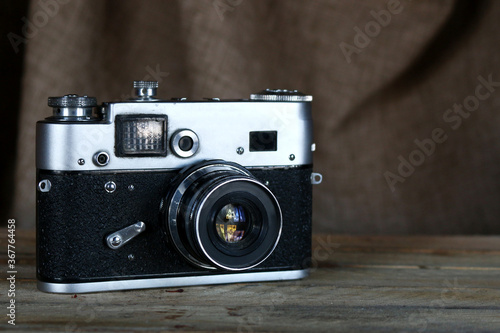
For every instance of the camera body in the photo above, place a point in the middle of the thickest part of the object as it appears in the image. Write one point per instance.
(152, 193)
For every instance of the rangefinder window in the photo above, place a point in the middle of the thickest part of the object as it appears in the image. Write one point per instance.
(144, 135)
(264, 141)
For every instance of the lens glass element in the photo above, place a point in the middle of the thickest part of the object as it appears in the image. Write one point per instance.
(232, 223)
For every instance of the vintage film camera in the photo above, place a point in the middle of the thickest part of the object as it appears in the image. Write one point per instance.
(149, 193)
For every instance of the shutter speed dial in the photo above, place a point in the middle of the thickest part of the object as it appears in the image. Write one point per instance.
(280, 95)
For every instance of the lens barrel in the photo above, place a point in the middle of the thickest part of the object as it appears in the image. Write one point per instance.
(220, 216)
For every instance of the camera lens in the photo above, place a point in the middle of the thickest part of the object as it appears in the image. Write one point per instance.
(231, 223)
(220, 216)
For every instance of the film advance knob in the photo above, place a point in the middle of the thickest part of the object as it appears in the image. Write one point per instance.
(72, 105)
(72, 100)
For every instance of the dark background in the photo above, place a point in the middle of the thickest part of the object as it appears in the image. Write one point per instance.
(369, 108)
(12, 65)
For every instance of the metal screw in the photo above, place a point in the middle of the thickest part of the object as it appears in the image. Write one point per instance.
(110, 187)
(131, 187)
(240, 150)
(131, 257)
(81, 161)
(116, 241)
(291, 157)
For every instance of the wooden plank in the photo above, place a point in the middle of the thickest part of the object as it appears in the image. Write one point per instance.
(421, 244)
(409, 284)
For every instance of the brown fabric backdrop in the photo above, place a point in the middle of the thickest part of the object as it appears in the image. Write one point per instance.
(408, 66)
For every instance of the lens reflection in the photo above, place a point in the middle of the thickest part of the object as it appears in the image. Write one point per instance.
(231, 223)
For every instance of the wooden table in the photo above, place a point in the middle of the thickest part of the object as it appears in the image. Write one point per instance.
(383, 283)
